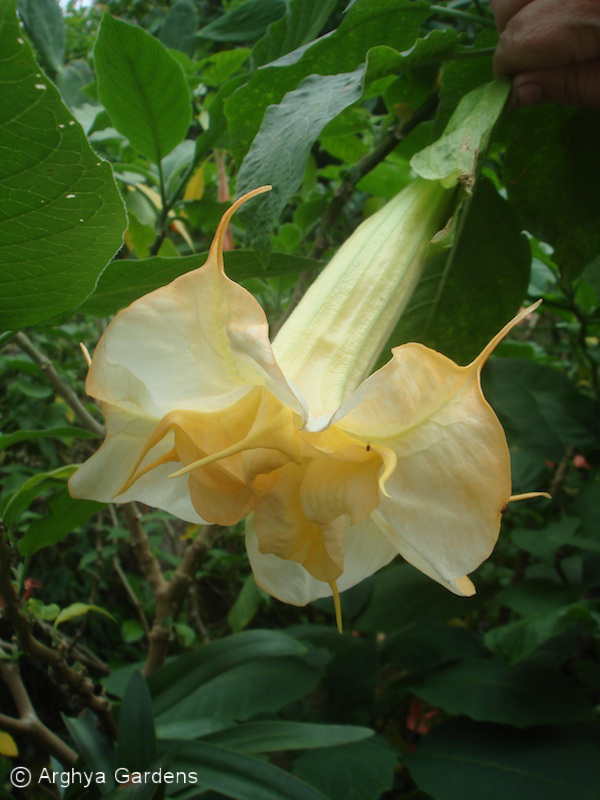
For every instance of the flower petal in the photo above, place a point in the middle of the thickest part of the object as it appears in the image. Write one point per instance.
(453, 472)
(108, 469)
(367, 550)
(284, 530)
(199, 343)
(461, 586)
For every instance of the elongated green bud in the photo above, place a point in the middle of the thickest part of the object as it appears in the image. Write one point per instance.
(333, 338)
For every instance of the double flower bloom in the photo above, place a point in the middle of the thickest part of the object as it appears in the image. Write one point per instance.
(207, 420)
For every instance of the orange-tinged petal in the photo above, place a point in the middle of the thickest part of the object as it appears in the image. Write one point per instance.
(452, 477)
(283, 529)
(111, 465)
(367, 550)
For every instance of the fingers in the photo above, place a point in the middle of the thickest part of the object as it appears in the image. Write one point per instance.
(505, 10)
(575, 84)
(545, 34)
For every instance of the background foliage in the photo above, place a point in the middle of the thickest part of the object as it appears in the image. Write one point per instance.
(150, 116)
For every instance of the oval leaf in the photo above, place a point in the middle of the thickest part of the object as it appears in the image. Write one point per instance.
(142, 87)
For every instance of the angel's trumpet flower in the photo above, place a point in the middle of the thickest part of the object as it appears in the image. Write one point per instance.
(206, 420)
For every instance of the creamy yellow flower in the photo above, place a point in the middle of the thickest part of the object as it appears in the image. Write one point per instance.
(203, 420)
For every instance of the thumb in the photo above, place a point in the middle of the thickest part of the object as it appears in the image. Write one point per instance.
(573, 85)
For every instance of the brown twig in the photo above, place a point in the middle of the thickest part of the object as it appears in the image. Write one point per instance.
(386, 145)
(79, 684)
(28, 724)
(60, 387)
(168, 599)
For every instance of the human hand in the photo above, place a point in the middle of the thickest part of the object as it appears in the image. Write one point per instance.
(552, 50)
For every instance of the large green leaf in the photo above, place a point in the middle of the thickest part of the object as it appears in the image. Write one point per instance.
(237, 775)
(394, 23)
(453, 157)
(244, 22)
(177, 679)
(97, 752)
(262, 685)
(491, 691)
(539, 408)
(552, 176)
(471, 761)
(467, 293)
(64, 432)
(279, 152)
(359, 771)
(142, 87)
(179, 28)
(402, 594)
(31, 488)
(302, 23)
(61, 217)
(520, 640)
(44, 23)
(418, 645)
(136, 743)
(123, 281)
(65, 515)
(271, 737)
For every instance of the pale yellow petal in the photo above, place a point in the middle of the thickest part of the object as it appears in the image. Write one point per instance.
(452, 476)
(107, 470)
(462, 586)
(367, 551)
(284, 530)
(199, 343)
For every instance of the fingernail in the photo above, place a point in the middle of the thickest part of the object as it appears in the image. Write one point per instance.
(528, 94)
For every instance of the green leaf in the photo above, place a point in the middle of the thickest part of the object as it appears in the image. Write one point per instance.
(79, 610)
(237, 775)
(246, 605)
(219, 67)
(237, 694)
(32, 488)
(72, 80)
(177, 679)
(519, 640)
(142, 87)
(136, 741)
(453, 157)
(402, 594)
(296, 122)
(537, 596)
(539, 408)
(244, 22)
(97, 752)
(44, 23)
(545, 542)
(272, 737)
(61, 214)
(467, 293)
(419, 646)
(471, 761)
(63, 432)
(179, 28)
(124, 281)
(551, 154)
(302, 23)
(65, 515)
(491, 691)
(360, 771)
(394, 23)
